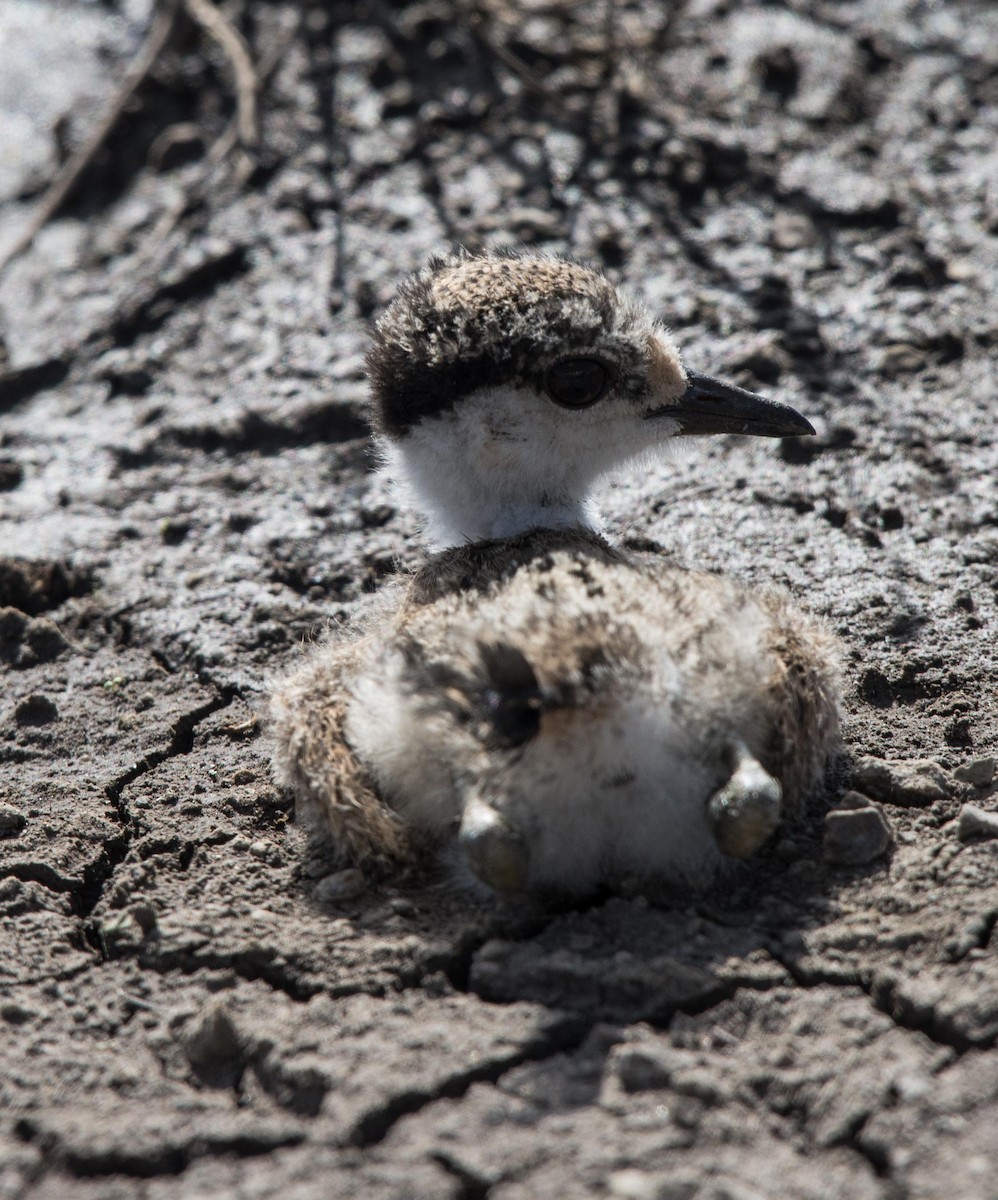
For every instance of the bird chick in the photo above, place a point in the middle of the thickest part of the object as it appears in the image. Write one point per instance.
(567, 715)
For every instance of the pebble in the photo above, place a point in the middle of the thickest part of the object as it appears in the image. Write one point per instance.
(641, 1069)
(27, 642)
(120, 931)
(11, 821)
(634, 1184)
(341, 885)
(857, 832)
(834, 188)
(15, 1014)
(911, 783)
(35, 709)
(792, 231)
(976, 822)
(266, 851)
(212, 1039)
(980, 772)
(11, 474)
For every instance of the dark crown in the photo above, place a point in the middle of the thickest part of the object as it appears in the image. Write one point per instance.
(466, 322)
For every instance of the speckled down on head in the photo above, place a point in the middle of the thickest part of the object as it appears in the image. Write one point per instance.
(564, 715)
(466, 322)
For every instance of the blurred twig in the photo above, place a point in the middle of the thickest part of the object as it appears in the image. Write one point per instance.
(243, 130)
(74, 167)
(219, 151)
(479, 28)
(217, 25)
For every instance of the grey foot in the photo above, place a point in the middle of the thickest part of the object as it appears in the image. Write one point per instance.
(495, 851)
(744, 812)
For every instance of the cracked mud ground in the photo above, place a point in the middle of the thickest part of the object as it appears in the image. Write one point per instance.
(807, 193)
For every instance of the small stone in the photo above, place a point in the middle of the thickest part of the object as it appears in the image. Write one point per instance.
(854, 800)
(24, 642)
(792, 231)
(11, 474)
(35, 710)
(642, 1068)
(856, 833)
(980, 772)
(910, 784)
(633, 1184)
(274, 799)
(901, 357)
(341, 885)
(119, 933)
(173, 531)
(976, 823)
(144, 915)
(14, 1013)
(266, 851)
(12, 821)
(212, 1039)
(959, 270)
(45, 641)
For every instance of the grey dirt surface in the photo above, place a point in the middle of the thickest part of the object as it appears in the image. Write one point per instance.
(807, 192)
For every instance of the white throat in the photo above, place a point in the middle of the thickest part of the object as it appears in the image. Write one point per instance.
(458, 508)
(506, 460)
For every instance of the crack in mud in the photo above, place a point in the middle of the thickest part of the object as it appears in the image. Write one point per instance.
(873, 1154)
(97, 877)
(21, 383)
(275, 978)
(883, 995)
(138, 315)
(375, 1126)
(473, 1187)
(147, 313)
(147, 1162)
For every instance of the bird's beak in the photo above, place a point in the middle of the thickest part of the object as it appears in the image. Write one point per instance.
(710, 406)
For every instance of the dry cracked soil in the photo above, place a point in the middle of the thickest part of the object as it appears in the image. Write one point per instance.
(807, 191)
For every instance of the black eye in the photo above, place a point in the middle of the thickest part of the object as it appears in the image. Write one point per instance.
(577, 382)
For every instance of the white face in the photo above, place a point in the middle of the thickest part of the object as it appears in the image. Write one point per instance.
(508, 459)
